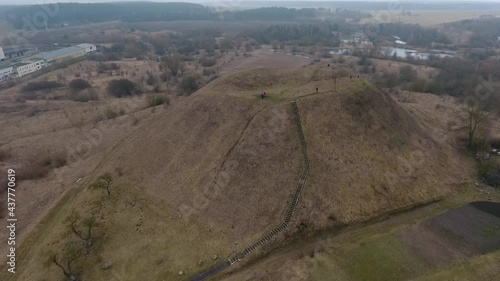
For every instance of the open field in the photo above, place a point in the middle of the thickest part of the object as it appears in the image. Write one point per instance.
(426, 18)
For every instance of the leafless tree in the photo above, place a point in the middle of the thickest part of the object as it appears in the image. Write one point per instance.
(476, 119)
(173, 63)
(104, 182)
(86, 234)
(66, 261)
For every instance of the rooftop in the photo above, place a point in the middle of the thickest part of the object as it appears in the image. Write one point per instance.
(58, 52)
(85, 45)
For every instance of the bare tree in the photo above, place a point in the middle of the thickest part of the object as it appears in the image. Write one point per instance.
(86, 235)
(104, 182)
(173, 63)
(476, 119)
(65, 262)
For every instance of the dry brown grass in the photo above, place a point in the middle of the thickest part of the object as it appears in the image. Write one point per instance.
(225, 134)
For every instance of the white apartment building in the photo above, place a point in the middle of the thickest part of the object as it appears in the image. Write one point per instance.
(27, 67)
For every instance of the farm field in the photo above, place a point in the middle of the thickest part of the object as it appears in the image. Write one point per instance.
(426, 18)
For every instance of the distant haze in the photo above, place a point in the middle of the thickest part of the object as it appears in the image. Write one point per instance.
(31, 2)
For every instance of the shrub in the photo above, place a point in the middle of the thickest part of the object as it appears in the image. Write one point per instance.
(31, 172)
(480, 145)
(407, 74)
(359, 103)
(486, 169)
(495, 143)
(84, 96)
(53, 160)
(122, 88)
(188, 85)
(207, 62)
(103, 57)
(42, 85)
(103, 67)
(151, 80)
(77, 85)
(208, 72)
(110, 113)
(154, 100)
(98, 119)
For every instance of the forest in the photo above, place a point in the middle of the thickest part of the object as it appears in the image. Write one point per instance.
(74, 13)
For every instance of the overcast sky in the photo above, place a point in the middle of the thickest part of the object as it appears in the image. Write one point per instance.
(23, 2)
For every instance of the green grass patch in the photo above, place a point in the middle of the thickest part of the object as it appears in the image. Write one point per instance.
(325, 268)
(478, 268)
(385, 258)
(490, 231)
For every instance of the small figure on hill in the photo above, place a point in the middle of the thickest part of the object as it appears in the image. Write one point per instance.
(262, 95)
(358, 75)
(316, 89)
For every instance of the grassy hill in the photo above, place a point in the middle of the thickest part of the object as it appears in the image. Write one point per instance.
(216, 171)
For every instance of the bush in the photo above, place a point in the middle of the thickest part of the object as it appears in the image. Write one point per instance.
(39, 168)
(31, 172)
(407, 74)
(103, 67)
(122, 88)
(52, 161)
(103, 57)
(84, 96)
(486, 169)
(111, 114)
(207, 62)
(208, 72)
(154, 100)
(77, 85)
(480, 145)
(151, 80)
(42, 85)
(359, 103)
(189, 85)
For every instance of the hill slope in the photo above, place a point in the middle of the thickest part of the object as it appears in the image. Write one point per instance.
(223, 164)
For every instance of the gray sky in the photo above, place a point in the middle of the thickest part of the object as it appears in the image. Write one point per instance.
(23, 2)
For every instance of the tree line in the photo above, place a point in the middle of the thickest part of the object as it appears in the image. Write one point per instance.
(78, 13)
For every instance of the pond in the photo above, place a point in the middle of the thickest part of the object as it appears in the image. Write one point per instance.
(407, 53)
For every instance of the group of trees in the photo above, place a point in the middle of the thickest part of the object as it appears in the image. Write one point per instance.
(301, 34)
(84, 233)
(413, 34)
(147, 12)
(484, 32)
